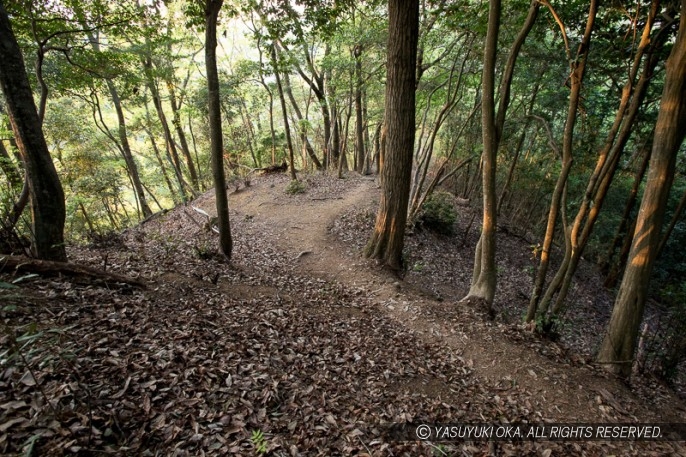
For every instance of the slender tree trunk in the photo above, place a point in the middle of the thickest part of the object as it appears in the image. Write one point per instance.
(249, 132)
(212, 8)
(335, 148)
(47, 196)
(484, 275)
(271, 101)
(608, 159)
(168, 138)
(299, 116)
(286, 125)
(617, 349)
(368, 150)
(89, 223)
(315, 80)
(177, 173)
(195, 151)
(359, 122)
(346, 130)
(10, 170)
(624, 232)
(163, 168)
(520, 145)
(185, 150)
(678, 211)
(124, 146)
(386, 243)
(578, 69)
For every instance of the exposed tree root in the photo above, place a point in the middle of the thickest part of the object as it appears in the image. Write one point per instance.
(49, 268)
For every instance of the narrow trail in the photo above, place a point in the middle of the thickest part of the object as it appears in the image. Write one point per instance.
(298, 337)
(558, 389)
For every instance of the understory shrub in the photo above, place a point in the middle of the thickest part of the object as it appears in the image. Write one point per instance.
(438, 213)
(296, 187)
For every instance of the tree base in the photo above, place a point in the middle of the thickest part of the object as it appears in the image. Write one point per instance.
(480, 305)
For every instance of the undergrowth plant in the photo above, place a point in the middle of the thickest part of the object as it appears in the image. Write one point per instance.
(259, 441)
(672, 345)
(438, 213)
(296, 187)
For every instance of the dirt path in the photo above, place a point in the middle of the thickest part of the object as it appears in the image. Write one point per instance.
(560, 389)
(300, 338)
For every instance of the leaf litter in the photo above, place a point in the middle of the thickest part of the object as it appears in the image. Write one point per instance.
(212, 353)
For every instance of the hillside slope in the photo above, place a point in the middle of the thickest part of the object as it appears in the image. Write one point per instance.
(298, 347)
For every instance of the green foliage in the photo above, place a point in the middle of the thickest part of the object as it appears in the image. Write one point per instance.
(205, 250)
(259, 442)
(296, 187)
(668, 348)
(438, 213)
(440, 450)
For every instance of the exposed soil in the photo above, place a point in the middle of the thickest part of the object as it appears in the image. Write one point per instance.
(300, 340)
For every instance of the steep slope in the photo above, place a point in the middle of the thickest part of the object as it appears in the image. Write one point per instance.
(299, 347)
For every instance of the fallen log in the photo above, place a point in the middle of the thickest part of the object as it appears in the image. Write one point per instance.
(274, 168)
(21, 264)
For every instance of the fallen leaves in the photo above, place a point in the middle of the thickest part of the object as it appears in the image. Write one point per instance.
(195, 366)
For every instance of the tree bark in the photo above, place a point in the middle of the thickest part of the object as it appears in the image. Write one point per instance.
(56, 268)
(631, 100)
(625, 230)
(168, 139)
(212, 8)
(678, 211)
(9, 168)
(386, 243)
(359, 122)
(286, 125)
(176, 121)
(47, 196)
(578, 69)
(618, 346)
(484, 275)
(302, 130)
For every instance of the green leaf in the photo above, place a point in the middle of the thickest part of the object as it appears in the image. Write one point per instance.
(22, 278)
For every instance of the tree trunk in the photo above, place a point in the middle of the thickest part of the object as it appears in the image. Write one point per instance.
(623, 235)
(302, 130)
(47, 196)
(249, 132)
(335, 148)
(386, 243)
(631, 100)
(168, 139)
(578, 69)
(286, 125)
(271, 101)
(678, 211)
(163, 168)
(619, 343)
(368, 152)
(520, 145)
(212, 8)
(176, 120)
(484, 275)
(359, 122)
(9, 168)
(317, 83)
(123, 145)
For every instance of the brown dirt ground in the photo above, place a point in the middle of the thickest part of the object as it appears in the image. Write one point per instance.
(564, 387)
(308, 246)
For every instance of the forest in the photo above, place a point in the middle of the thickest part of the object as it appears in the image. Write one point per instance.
(143, 142)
